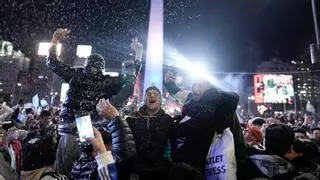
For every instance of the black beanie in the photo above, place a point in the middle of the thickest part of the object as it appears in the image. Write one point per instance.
(278, 139)
(153, 88)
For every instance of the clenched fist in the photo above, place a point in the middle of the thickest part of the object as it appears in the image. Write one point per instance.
(60, 34)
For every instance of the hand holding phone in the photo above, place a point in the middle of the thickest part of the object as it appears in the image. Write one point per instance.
(84, 127)
(97, 142)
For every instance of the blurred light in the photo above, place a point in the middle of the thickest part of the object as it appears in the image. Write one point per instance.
(44, 49)
(40, 77)
(63, 91)
(6, 48)
(303, 92)
(19, 84)
(1, 90)
(239, 106)
(293, 62)
(0, 83)
(112, 74)
(84, 51)
(197, 70)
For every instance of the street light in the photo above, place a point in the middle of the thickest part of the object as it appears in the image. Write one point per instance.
(44, 49)
(84, 51)
(19, 84)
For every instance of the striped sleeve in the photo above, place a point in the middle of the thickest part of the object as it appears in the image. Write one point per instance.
(106, 166)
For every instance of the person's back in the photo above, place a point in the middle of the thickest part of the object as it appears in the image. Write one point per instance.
(271, 162)
(38, 155)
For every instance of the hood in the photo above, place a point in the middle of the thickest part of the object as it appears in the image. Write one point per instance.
(35, 174)
(271, 165)
(84, 167)
(229, 101)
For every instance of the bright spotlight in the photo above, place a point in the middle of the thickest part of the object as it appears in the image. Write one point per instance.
(44, 49)
(63, 92)
(84, 51)
(197, 70)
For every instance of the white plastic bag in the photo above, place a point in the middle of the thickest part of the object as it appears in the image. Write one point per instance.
(221, 162)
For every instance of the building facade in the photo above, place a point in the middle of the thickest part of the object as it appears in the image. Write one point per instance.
(14, 65)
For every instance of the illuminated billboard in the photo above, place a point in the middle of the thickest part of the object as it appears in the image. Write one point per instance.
(273, 88)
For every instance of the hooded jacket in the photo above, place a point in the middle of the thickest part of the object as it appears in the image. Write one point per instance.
(86, 89)
(214, 112)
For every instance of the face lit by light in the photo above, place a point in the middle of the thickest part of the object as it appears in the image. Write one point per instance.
(153, 100)
(199, 87)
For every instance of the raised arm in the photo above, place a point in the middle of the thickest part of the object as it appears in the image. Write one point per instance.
(123, 145)
(130, 71)
(177, 93)
(58, 67)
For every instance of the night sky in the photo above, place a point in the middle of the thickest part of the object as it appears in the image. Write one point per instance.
(230, 35)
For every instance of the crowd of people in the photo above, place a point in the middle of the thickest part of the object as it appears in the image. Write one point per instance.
(148, 143)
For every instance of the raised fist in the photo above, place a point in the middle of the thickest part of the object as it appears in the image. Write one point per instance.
(60, 34)
(136, 45)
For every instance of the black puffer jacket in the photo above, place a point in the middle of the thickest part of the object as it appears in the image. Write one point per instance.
(214, 112)
(86, 90)
(123, 146)
(152, 138)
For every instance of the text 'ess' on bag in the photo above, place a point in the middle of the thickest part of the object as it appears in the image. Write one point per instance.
(221, 162)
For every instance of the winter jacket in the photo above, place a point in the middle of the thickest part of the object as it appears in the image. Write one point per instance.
(88, 168)
(260, 164)
(85, 168)
(152, 138)
(86, 90)
(123, 146)
(303, 165)
(214, 112)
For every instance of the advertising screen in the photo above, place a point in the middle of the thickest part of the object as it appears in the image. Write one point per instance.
(273, 88)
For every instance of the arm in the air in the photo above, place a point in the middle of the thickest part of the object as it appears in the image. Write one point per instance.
(58, 67)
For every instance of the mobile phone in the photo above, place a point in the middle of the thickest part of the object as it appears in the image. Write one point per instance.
(84, 127)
